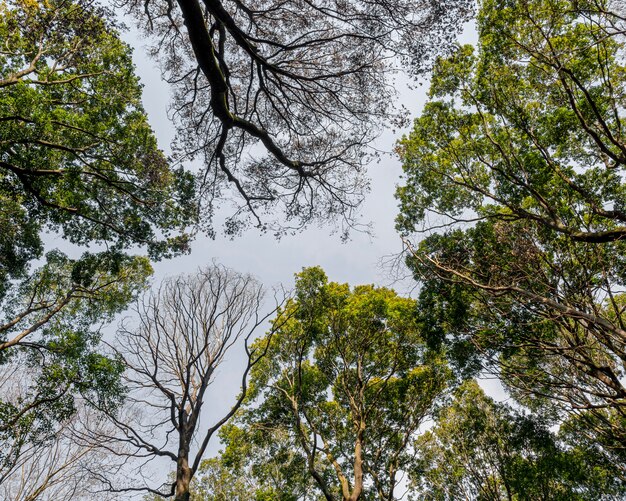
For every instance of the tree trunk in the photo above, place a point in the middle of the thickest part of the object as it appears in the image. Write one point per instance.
(358, 465)
(183, 479)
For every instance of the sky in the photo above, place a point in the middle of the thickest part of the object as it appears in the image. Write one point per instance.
(357, 261)
(274, 262)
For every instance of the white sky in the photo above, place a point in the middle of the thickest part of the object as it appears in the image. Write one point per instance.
(272, 261)
(275, 262)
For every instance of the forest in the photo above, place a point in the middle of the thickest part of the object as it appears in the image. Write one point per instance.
(495, 369)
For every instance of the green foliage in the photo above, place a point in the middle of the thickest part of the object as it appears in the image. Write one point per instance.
(77, 155)
(216, 481)
(528, 127)
(49, 343)
(480, 449)
(346, 383)
(77, 159)
(519, 158)
(269, 459)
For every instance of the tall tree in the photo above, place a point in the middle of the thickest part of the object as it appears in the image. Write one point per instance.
(480, 449)
(184, 330)
(281, 99)
(345, 386)
(519, 157)
(77, 159)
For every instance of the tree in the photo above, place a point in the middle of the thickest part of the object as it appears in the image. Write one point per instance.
(49, 346)
(346, 383)
(479, 449)
(281, 99)
(185, 328)
(77, 159)
(77, 155)
(61, 466)
(519, 155)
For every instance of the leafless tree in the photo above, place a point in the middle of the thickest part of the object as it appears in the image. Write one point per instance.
(184, 331)
(283, 98)
(58, 466)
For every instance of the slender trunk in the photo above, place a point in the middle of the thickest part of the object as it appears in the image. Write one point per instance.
(358, 465)
(392, 483)
(183, 479)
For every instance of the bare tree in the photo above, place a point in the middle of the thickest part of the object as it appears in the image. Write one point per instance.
(184, 331)
(283, 98)
(57, 466)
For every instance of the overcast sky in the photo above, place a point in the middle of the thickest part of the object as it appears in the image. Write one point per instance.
(357, 261)
(272, 261)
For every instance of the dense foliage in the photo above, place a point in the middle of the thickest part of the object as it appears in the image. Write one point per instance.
(480, 449)
(519, 157)
(77, 159)
(336, 402)
(77, 154)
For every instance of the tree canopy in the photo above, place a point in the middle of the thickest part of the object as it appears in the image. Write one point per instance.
(281, 99)
(336, 402)
(77, 159)
(514, 182)
(518, 160)
(481, 449)
(50, 352)
(77, 154)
